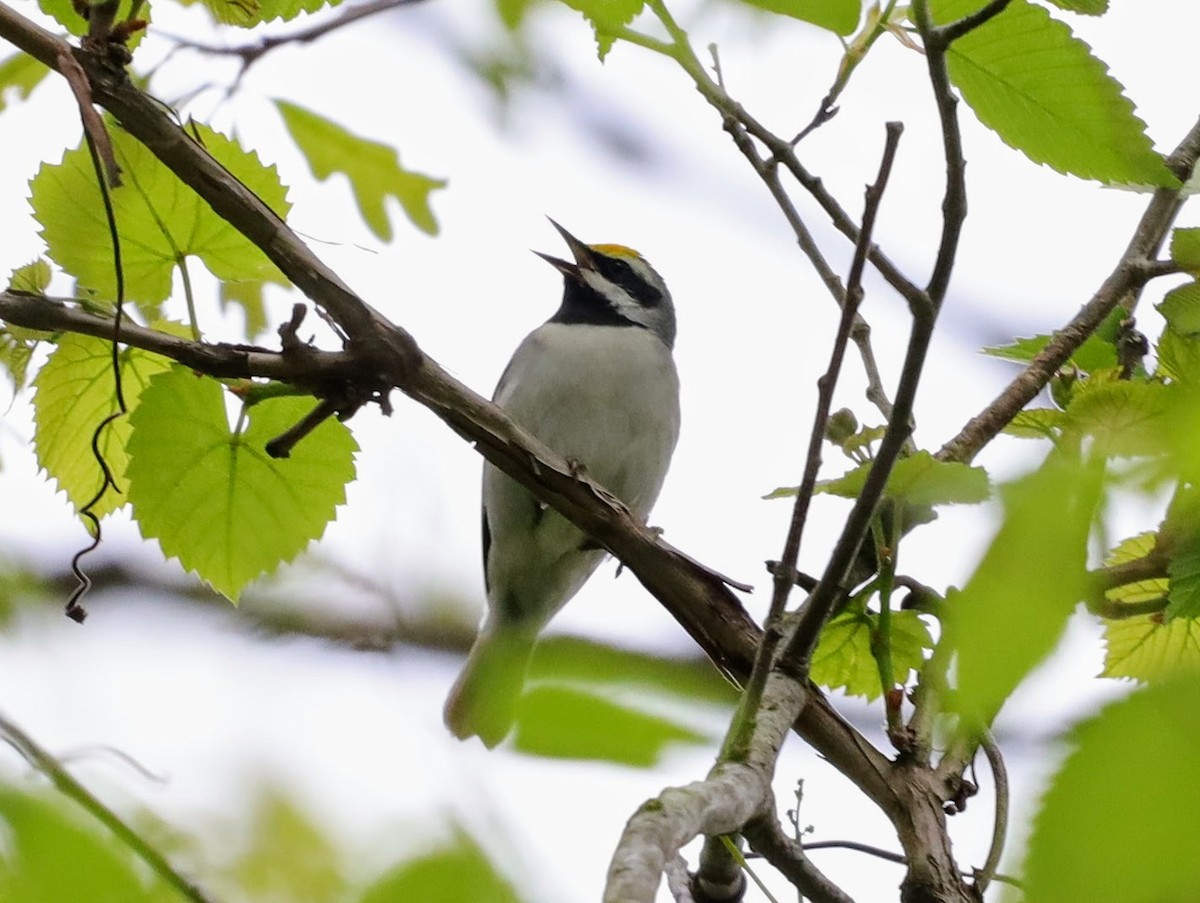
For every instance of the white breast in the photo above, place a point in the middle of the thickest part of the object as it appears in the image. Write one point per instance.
(605, 396)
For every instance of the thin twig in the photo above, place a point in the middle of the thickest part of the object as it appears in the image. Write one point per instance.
(898, 858)
(984, 876)
(767, 838)
(954, 200)
(251, 53)
(823, 599)
(66, 784)
(939, 39)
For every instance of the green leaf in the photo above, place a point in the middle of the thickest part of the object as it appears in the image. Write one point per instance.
(20, 73)
(1086, 7)
(1124, 417)
(373, 169)
(1029, 79)
(37, 829)
(1181, 309)
(863, 439)
(843, 659)
(32, 279)
(1180, 433)
(1179, 357)
(563, 722)
(1146, 649)
(280, 832)
(1142, 647)
(15, 354)
(1184, 571)
(919, 480)
(452, 874)
(64, 12)
(1098, 351)
(1185, 248)
(1014, 607)
(1131, 779)
(607, 18)
(248, 13)
(839, 16)
(213, 498)
(512, 13)
(74, 393)
(1037, 423)
(248, 295)
(573, 659)
(160, 219)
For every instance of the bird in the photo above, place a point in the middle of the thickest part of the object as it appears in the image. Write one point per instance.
(597, 383)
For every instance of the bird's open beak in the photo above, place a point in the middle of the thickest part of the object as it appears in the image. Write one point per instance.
(584, 259)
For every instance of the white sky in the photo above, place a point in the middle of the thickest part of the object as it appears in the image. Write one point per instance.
(359, 735)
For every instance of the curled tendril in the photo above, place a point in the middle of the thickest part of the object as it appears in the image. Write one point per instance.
(74, 608)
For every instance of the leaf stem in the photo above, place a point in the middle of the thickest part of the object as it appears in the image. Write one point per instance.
(189, 296)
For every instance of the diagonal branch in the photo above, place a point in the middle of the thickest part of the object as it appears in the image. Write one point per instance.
(1123, 284)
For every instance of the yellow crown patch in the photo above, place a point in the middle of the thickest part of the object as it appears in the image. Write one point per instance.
(616, 251)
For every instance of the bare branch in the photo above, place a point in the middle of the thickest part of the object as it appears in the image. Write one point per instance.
(830, 589)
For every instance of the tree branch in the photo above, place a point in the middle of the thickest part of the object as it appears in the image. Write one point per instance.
(215, 359)
(731, 795)
(1126, 280)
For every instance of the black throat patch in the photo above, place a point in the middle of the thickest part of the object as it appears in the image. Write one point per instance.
(583, 304)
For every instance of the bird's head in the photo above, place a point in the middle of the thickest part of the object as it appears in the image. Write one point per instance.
(612, 285)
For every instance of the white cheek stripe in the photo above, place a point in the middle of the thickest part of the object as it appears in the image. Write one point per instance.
(618, 296)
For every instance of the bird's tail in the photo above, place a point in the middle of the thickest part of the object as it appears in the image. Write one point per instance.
(483, 701)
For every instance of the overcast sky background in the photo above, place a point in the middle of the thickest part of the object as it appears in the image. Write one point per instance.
(625, 152)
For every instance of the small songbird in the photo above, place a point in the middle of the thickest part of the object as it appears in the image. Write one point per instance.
(597, 384)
